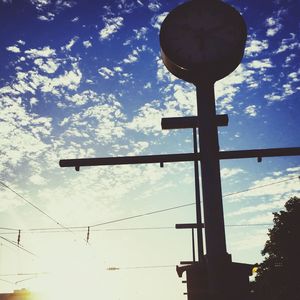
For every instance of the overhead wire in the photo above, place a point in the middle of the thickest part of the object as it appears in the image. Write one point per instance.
(132, 229)
(34, 206)
(83, 228)
(39, 209)
(17, 245)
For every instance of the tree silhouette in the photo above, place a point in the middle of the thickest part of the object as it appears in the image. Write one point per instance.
(278, 275)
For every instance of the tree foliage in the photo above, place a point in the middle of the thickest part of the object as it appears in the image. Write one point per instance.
(278, 275)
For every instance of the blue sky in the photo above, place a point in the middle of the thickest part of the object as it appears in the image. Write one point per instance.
(85, 79)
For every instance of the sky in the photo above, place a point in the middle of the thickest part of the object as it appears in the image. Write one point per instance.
(85, 79)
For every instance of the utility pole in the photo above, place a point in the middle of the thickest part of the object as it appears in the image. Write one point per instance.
(202, 52)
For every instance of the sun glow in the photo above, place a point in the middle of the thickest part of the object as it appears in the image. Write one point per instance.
(72, 273)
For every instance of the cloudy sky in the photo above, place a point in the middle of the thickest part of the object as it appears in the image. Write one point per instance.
(85, 79)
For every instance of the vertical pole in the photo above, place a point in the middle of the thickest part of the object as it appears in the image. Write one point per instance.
(198, 204)
(193, 245)
(216, 253)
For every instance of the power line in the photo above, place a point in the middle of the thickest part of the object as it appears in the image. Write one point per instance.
(7, 281)
(140, 215)
(80, 228)
(261, 186)
(185, 205)
(25, 274)
(140, 267)
(18, 246)
(37, 208)
(49, 230)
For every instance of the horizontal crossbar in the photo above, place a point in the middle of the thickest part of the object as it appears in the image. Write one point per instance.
(181, 157)
(188, 226)
(190, 122)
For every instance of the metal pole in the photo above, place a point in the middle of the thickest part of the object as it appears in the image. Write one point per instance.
(193, 245)
(216, 253)
(198, 203)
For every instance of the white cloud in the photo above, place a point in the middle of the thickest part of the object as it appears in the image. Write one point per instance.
(70, 79)
(273, 97)
(87, 44)
(139, 147)
(14, 49)
(276, 187)
(83, 98)
(48, 17)
(251, 110)
(226, 172)
(32, 80)
(39, 4)
(71, 43)
(154, 6)
(287, 89)
(163, 73)
(181, 102)
(131, 58)
(37, 179)
(288, 44)
(112, 25)
(270, 22)
(261, 64)
(158, 19)
(44, 52)
(228, 87)
(105, 72)
(47, 65)
(134, 55)
(272, 31)
(254, 47)
(76, 19)
(147, 119)
(27, 131)
(273, 26)
(293, 169)
(48, 9)
(103, 120)
(33, 101)
(140, 33)
(147, 85)
(118, 69)
(267, 206)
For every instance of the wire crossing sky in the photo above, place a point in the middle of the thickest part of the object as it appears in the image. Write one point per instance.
(82, 79)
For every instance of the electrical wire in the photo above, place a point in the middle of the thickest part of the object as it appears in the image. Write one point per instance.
(80, 228)
(7, 281)
(148, 267)
(25, 274)
(129, 229)
(260, 186)
(18, 246)
(34, 206)
(140, 215)
(39, 209)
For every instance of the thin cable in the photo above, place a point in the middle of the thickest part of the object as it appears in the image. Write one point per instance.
(185, 205)
(7, 281)
(140, 267)
(24, 274)
(247, 225)
(130, 229)
(260, 186)
(18, 246)
(37, 208)
(160, 211)
(140, 215)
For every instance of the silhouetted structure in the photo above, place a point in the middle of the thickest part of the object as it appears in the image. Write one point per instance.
(202, 52)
